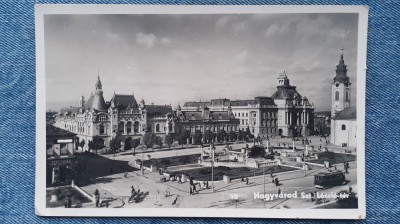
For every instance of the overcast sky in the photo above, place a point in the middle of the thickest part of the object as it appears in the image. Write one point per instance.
(176, 58)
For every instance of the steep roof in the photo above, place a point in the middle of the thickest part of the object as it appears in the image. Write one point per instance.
(96, 102)
(124, 101)
(285, 92)
(349, 113)
(52, 131)
(158, 110)
(99, 103)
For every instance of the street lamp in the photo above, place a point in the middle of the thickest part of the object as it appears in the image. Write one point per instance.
(143, 146)
(212, 149)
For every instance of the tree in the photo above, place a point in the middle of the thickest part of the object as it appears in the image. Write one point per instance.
(257, 152)
(208, 136)
(183, 137)
(96, 144)
(82, 144)
(197, 136)
(149, 139)
(221, 135)
(115, 144)
(158, 141)
(241, 135)
(169, 139)
(232, 135)
(135, 143)
(128, 144)
(248, 134)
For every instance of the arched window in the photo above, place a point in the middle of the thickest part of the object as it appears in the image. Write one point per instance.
(158, 128)
(121, 127)
(129, 127)
(337, 95)
(347, 96)
(102, 129)
(136, 127)
(343, 127)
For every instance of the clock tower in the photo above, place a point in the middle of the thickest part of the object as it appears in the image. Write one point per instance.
(340, 88)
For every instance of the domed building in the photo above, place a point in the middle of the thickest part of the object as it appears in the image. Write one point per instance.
(122, 115)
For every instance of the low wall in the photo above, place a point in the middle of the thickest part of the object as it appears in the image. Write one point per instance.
(227, 164)
(84, 193)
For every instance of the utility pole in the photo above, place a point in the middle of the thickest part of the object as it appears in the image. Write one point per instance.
(143, 159)
(264, 182)
(212, 165)
(254, 177)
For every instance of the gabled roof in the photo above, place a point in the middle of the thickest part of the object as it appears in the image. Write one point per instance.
(349, 113)
(52, 131)
(124, 101)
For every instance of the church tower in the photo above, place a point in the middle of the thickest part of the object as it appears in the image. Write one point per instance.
(340, 88)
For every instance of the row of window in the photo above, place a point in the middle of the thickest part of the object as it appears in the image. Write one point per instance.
(347, 96)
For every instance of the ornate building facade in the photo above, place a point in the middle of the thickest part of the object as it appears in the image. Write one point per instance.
(286, 113)
(121, 115)
(203, 119)
(295, 112)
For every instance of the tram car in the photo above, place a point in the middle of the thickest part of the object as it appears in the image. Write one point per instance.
(325, 180)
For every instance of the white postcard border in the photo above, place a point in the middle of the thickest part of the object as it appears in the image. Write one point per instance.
(40, 186)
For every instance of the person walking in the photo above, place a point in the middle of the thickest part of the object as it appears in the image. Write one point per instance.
(190, 191)
(247, 181)
(97, 197)
(276, 181)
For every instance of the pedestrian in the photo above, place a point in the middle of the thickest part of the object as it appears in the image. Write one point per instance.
(190, 191)
(276, 181)
(207, 184)
(175, 200)
(107, 204)
(242, 179)
(194, 188)
(97, 197)
(279, 191)
(247, 181)
(166, 193)
(126, 174)
(132, 190)
(179, 180)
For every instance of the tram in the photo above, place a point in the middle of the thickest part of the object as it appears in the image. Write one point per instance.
(329, 179)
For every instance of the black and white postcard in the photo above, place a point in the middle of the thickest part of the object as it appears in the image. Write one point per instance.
(201, 111)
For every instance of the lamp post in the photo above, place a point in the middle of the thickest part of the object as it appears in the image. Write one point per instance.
(143, 146)
(212, 149)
